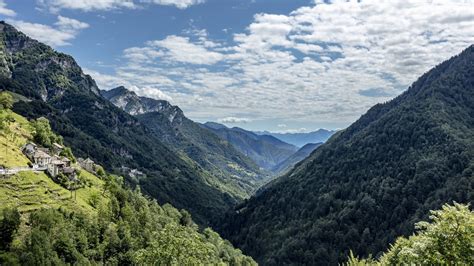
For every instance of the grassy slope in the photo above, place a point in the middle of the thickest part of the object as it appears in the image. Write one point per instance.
(30, 191)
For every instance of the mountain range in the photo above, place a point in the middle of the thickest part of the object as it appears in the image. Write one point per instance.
(265, 150)
(234, 173)
(301, 139)
(370, 182)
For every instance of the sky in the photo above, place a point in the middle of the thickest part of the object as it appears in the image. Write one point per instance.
(277, 65)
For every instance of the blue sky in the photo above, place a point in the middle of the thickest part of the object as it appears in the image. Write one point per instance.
(278, 65)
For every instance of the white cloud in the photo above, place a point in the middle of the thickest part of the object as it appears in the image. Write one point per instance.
(154, 93)
(66, 30)
(85, 5)
(181, 4)
(180, 49)
(55, 6)
(234, 120)
(69, 24)
(292, 131)
(323, 63)
(6, 11)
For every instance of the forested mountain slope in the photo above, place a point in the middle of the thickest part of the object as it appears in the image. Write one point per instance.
(235, 173)
(46, 222)
(372, 181)
(57, 88)
(265, 150)
(295, 158)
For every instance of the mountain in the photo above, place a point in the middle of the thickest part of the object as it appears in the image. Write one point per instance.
(372, 181)
(265, 150)
(295, 158)
(55, 87)
(301, 139)
(98, 221)
(235, 173)
(131, 103)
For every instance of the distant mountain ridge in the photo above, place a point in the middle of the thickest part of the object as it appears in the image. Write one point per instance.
(301, 139)
(267, 151)
(236, 174)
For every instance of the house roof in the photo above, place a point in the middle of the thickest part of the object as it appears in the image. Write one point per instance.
(57, 162)
(57, 145)
(41, 154)
(30, 143)
(68, 170)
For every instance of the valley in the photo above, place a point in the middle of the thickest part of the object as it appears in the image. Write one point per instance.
(259, 139)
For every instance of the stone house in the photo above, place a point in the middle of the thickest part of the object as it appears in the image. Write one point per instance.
(29, 149)
(87, 164)
(41, 158)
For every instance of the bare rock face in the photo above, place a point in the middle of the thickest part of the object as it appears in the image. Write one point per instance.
(133, 104)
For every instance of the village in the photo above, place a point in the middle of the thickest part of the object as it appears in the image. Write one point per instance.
(50, 161)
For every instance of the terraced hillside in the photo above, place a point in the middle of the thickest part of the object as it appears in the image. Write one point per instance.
(33, 190)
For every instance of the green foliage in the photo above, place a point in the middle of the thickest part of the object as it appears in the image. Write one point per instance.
(67, 152)
(129, 229)
(447, 240)
(43, 134)
(9, 223)
(6, 100)
(370, 182)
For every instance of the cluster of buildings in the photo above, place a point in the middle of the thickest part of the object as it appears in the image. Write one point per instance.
(50, 160)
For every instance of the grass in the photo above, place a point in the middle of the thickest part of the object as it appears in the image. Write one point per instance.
(10, 144)
(29, 191)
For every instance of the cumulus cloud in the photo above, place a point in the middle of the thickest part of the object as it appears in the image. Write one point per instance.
(85, 5)
(6, 11)
(234, 120)
(321, 63)
(150, 92)
(181, 4)
(65, 30)
(55, 6)
(180, 49)
(69, 24)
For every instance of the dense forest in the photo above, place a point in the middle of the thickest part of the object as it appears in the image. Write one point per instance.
(42, 223)
(129, 229)
(372, 181)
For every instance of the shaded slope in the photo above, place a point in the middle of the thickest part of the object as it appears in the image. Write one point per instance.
(265, 150)
(295, 158)
(234, 173)
(92, 126)
(369, 183)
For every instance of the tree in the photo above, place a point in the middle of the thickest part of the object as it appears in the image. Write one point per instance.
(8, 226)
(6, 101)
(43, 133)
(447, 240)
